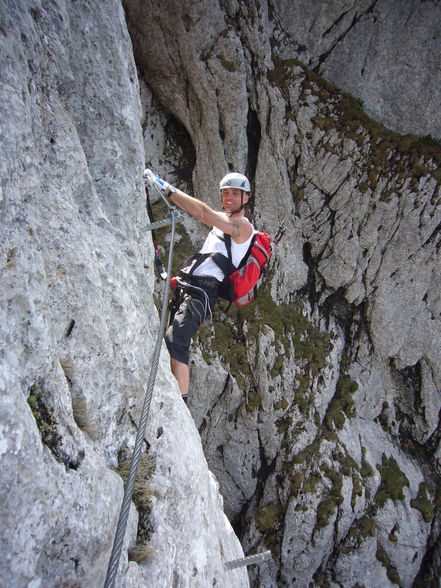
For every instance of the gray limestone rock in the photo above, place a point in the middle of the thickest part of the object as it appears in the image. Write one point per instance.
(329, 386)
(78, 322)
(384, 52)
(318, 407)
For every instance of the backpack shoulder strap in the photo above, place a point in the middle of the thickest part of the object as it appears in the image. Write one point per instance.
(196, 261)
(227, 241)
(247, 254)
(224, 263)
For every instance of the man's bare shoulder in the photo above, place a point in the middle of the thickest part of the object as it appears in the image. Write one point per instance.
(243, 229)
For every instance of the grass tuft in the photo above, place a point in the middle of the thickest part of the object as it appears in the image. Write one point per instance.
(81, 415)
(45, 420)
(142, 494)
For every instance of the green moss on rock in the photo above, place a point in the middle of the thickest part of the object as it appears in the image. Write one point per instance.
(357, 489)
(392, 482)
(267, 518)
(342, 405)
(366, 470)
(423, 503)
(310, 484)
(296, 483)
(281, 404)
(361, 530)
(391, 571)
(325, 511)
(254, 401)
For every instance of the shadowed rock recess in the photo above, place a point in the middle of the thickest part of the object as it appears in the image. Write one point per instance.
(317, 408)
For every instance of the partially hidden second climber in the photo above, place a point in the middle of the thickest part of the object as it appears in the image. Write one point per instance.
(201, 278)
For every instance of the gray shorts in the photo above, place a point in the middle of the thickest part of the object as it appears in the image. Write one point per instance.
(193, 310)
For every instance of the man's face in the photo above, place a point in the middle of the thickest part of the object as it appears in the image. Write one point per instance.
(231, 199)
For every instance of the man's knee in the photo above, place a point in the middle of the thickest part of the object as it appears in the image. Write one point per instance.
(179, 350)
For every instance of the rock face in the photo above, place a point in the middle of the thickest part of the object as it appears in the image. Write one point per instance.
(384, 52)
(78, 323)
(319, 406)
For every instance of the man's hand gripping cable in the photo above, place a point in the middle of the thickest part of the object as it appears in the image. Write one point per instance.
(161, 186)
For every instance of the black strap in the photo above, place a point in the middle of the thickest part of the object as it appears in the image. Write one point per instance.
(224, 263)
(227, 241)
(220, 260)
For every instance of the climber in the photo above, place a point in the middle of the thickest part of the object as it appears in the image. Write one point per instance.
(200, 279)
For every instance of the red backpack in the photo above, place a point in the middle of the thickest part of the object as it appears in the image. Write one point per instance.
(240, 283)
(240, 286)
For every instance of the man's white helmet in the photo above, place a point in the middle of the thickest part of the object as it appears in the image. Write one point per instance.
(235, 180)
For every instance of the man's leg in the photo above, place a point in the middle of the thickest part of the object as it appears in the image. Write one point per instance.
(186, 321)
(178, 339)
(181, 373)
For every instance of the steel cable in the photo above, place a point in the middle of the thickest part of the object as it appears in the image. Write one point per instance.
(128, 492)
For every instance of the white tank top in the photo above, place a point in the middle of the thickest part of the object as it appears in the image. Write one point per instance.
(214, 243)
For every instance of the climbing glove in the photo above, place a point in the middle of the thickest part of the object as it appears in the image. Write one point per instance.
(154, 180)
